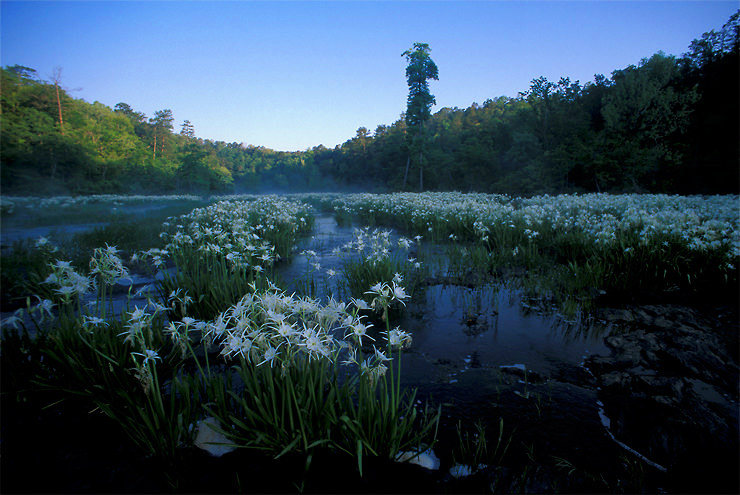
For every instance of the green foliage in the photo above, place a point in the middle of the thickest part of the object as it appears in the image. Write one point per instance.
(361, 274)
(384, 421)
(96, 363)
(217, 283)
(642, 113)
(224, 251)
(201, 172)
(310, 405)
(24, 267)
(419, 70)
(665, 125)
(371, 257)
(657, 127)
(473, 448)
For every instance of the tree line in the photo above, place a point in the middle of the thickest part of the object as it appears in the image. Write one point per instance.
(667, 124)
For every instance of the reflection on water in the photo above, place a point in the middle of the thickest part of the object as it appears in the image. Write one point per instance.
(479, 351)
(9, 235)
(316, 256)
(475, 327)
(454, 323)
(62, 223)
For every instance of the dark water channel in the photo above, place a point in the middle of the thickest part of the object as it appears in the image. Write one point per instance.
(60, 232)
(486, 356)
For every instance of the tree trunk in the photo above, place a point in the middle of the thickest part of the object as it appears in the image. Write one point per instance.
(421, 157)
(59, 106)
(154, 156)
(53, 160)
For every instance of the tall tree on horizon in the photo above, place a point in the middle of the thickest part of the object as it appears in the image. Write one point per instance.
(188, 129)
(162, 122)
(419, 70)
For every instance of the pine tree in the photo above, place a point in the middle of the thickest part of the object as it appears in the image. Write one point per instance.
(419, 70)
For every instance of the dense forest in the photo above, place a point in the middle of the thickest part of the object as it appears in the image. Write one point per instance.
(668, 124)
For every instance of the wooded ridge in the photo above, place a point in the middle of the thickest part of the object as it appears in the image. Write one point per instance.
(668, 124)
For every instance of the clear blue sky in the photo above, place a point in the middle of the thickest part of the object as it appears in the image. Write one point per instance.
(293, 75)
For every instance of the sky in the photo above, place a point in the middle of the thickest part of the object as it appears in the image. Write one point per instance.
(293, 75)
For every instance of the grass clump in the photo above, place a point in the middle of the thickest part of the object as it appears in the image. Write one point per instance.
(372, 256)
(219, 252)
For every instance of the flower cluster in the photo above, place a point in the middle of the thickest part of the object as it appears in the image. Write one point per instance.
(373, 246)
(107, 265)
(139, 331)
(43, 308)
(273, 328)
(383, 294)
(701, 223)
(157, 257)
(247, 235)
(68, 282)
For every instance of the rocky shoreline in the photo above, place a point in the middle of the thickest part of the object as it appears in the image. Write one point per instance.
(669, 390)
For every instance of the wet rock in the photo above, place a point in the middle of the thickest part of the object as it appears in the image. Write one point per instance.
(211, 440)
(445, 362)
(528, 375)
(618, 379)
(670, 384)
(662, 322)
(616, 315)
(643, 315)
(706, 391)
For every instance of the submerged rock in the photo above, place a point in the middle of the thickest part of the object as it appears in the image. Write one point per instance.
(460, 471)
(212, 441)
(426, 459)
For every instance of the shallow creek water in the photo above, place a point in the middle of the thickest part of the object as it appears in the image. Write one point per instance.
(485, 327)
(11, 234)
(485, 355)
(20, 226)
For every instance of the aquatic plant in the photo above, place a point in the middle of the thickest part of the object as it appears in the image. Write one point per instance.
(573, 248)
(224, 350)
(372, 256)
(472, 451)
(220, 250)
(301, 384)
(298, 393)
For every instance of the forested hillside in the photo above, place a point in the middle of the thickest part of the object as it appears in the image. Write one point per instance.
(667, 124)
